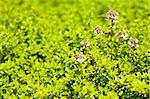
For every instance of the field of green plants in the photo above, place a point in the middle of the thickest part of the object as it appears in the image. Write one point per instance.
(74, 49)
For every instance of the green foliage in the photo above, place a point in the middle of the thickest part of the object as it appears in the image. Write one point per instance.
(42, 54)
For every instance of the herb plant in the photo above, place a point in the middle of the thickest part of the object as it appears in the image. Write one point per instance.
(74, 49)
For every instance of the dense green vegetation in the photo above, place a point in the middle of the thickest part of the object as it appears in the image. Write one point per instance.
(66, 49)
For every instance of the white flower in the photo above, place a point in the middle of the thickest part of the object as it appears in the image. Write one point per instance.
(133, 42)
(112, 15)
(122, 35)
(80, 58)
(98, 30)
(85, 43)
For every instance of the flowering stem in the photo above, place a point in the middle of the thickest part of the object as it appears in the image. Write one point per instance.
(111, 27)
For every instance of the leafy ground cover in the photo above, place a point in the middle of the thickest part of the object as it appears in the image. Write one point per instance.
(78, 49)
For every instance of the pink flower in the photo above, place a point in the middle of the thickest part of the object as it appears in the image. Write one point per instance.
(133, 42)
(98, 30)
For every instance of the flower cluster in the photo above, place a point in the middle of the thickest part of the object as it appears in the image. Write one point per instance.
(122, 35)
(80, 57)
(133, 42)
(85, 43)
(112, 15)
